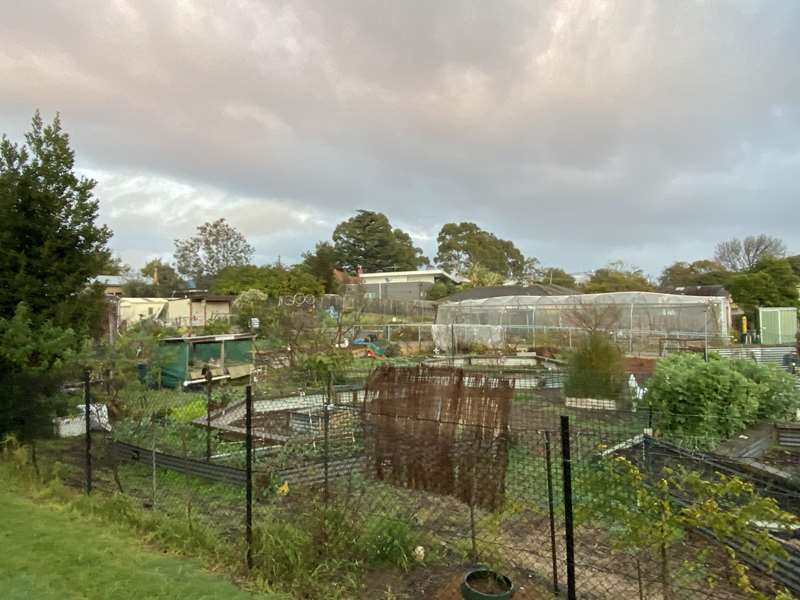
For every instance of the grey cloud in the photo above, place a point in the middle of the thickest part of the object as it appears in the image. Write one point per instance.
(586, 131)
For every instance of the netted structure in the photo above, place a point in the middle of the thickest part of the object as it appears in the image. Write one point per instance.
(639, 321)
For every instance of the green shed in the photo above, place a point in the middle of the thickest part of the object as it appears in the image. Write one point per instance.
(185, 359)
(777, 325)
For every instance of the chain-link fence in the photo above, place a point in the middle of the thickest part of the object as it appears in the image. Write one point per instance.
(419, 474)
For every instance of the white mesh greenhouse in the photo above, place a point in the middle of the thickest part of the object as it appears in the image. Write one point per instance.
(639, 321)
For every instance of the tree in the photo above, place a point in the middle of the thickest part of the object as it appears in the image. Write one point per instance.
(595, 369)
(794, 262)
(321, 264)
(51, 243)
(739, 255)
(35, 356)
(771, 282)
(556, 276)
(217, 245)
(699, 272)
(616, 277)
(367, 240)
(479, 276)
(643, 520)
(460, 245)
(165, 278)
(51, 248)
(273, 280)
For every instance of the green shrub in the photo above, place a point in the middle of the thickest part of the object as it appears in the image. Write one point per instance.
(714, 400)
(778, 396)
(595, 369)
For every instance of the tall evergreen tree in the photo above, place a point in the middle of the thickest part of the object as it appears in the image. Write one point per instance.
(51, 244)
(367, 240)
(50, 248)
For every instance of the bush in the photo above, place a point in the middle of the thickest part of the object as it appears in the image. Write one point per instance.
(595, 369)
(717, 399)
(778, 396)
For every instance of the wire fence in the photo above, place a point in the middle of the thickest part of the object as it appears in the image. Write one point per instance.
(432, 470)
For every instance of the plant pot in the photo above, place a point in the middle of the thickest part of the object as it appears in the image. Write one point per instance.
(483, 584)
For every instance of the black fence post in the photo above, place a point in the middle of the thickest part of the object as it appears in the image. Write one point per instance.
(248, 440)
(208, 415)
(87, 401)
(549, 464)
(566, 461)
(326, 424)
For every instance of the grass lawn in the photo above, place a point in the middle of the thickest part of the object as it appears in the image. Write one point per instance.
(51, 554)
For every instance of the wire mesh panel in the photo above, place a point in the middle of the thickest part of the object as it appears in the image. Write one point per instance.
(426, 472)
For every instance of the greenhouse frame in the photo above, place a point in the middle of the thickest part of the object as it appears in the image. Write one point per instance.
(641, 322)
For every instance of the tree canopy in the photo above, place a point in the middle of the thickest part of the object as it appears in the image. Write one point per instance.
(616, 277)
(461, 245)
(556, 276)
(273, 280)
(740, 255)
(52, 245)
(367, 240)
(217, 245)
(770, 282)
(321, 263)
(699, 272)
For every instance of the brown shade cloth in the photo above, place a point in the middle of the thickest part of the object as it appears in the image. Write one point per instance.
(440, 430)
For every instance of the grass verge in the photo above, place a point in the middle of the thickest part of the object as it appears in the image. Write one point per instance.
(56, 553)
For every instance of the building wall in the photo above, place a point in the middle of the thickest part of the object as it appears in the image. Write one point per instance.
(405, 291)
(201, 311)
(392, 278)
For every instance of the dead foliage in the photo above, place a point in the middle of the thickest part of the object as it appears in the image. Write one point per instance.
(440, 430)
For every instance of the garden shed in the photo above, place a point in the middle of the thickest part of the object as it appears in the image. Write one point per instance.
(184, 360)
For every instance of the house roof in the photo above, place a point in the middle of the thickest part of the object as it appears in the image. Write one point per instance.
(510, 290)
(698, 290)
(434, 272)
(205, 296)
(211, 338)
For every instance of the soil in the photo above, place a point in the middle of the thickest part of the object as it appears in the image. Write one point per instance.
(443, 583)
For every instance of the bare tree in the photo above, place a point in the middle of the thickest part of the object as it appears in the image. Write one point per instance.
(738, 255)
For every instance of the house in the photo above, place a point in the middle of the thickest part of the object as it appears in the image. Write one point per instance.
(133, 310)
(404, 285)
(198, 308)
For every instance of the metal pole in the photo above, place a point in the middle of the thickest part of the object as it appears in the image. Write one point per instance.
(566, 462)
(705, 334)
(548, 461)
(208, 413)
(630, 331)
(326, 423)
(87, 400)
(248, 440)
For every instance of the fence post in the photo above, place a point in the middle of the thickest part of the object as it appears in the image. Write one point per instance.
(326, 423)
(566, 461)
(248, 441)
(208, 414)
(549, 464)
(87, 401)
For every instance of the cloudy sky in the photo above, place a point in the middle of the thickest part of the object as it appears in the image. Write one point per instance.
(585, 131)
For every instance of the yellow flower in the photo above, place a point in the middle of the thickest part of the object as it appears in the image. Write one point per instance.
(283, 488)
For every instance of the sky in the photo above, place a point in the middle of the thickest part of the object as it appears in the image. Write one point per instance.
(584, 131)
